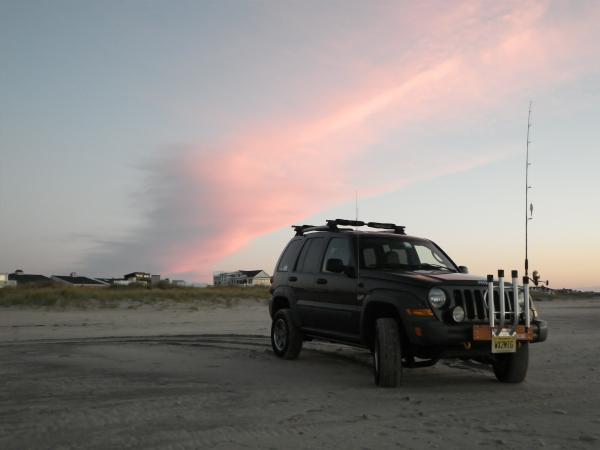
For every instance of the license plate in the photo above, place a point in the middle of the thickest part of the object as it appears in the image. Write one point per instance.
(504, 343)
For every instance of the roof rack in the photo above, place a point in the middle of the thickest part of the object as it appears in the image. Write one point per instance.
(398, 229)
(299, 229)
(332, 225)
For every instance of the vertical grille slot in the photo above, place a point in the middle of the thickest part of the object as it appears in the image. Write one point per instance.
(458, 298)
(497, 302)
(481, 306)
(509, 302)
(469, 305)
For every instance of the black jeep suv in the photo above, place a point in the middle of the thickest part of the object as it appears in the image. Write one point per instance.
(400, 296)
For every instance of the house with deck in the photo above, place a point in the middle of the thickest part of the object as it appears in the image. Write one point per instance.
(242, 278)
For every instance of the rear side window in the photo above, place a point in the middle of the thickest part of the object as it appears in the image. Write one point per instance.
(339, 248)
(287, 260)
(310, 258)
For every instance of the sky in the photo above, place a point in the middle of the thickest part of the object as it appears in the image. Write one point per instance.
(186, 137)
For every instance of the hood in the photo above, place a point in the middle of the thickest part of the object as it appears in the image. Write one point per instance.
(433, 277)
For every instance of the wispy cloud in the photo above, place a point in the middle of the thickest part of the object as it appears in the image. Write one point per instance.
(208, 201)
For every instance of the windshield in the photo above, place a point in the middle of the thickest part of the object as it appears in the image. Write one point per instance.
(387, 253)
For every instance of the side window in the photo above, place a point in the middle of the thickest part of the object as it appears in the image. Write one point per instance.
(289, 256)
(339, 248)
(369, 257)
(302, 257)
(397, 256)
(311, 256)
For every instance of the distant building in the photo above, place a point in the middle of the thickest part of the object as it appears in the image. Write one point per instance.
(4, 280)
(21, 278)
(257, 277)
(227, 278)
(138, 278)
(542, 288)
(242, 277)
(154, 280)
(114, 281)
(178, 283)
(77, 280)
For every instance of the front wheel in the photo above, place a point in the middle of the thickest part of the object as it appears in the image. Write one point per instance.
(387, 353)
(512, 367)
(286, 338)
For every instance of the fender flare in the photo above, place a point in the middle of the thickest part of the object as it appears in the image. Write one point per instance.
(393, 302)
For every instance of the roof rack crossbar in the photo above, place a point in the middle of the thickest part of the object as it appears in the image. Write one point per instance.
(301, 229)
(332, 225)
(398, 229)
(345, 222)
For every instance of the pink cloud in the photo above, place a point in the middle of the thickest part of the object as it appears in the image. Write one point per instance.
(269, 176)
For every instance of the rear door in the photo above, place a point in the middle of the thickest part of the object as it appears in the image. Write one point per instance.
(304, 275)
(284, 278)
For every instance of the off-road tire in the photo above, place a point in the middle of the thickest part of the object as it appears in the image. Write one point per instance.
(387, 353)
(512, 367)
(286, 338)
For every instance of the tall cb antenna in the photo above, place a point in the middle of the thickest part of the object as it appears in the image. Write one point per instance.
(527, 187)
(357, 243)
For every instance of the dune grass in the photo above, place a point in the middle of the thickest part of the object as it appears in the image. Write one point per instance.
(114, 297)
(132, 297)
(572, 295)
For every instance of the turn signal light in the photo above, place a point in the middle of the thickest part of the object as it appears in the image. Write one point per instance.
(419, 312)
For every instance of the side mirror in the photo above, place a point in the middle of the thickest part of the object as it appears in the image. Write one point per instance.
(463, 269)
(334, 265)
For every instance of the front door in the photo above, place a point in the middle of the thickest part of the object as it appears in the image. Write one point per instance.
(337, 291)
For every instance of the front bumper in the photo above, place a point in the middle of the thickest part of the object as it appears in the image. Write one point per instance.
(485, 310)
(437, 334)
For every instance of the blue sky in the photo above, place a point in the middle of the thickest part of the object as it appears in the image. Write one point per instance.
(186, 137)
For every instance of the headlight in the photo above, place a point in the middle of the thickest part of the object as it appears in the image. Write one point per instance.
(458, 314)
(437, 297)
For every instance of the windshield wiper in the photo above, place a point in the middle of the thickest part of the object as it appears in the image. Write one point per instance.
(427, 266)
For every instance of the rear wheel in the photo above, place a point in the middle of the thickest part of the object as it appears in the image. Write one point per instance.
(387, 353)
(512, 367)
(286, 338)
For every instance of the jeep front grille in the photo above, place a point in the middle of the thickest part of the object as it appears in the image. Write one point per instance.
(474, 302)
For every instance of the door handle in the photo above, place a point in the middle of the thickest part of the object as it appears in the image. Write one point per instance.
(321, 281)
(292, 278)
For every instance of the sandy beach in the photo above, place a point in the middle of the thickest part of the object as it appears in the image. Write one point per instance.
(174, 377)
(18, 324)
